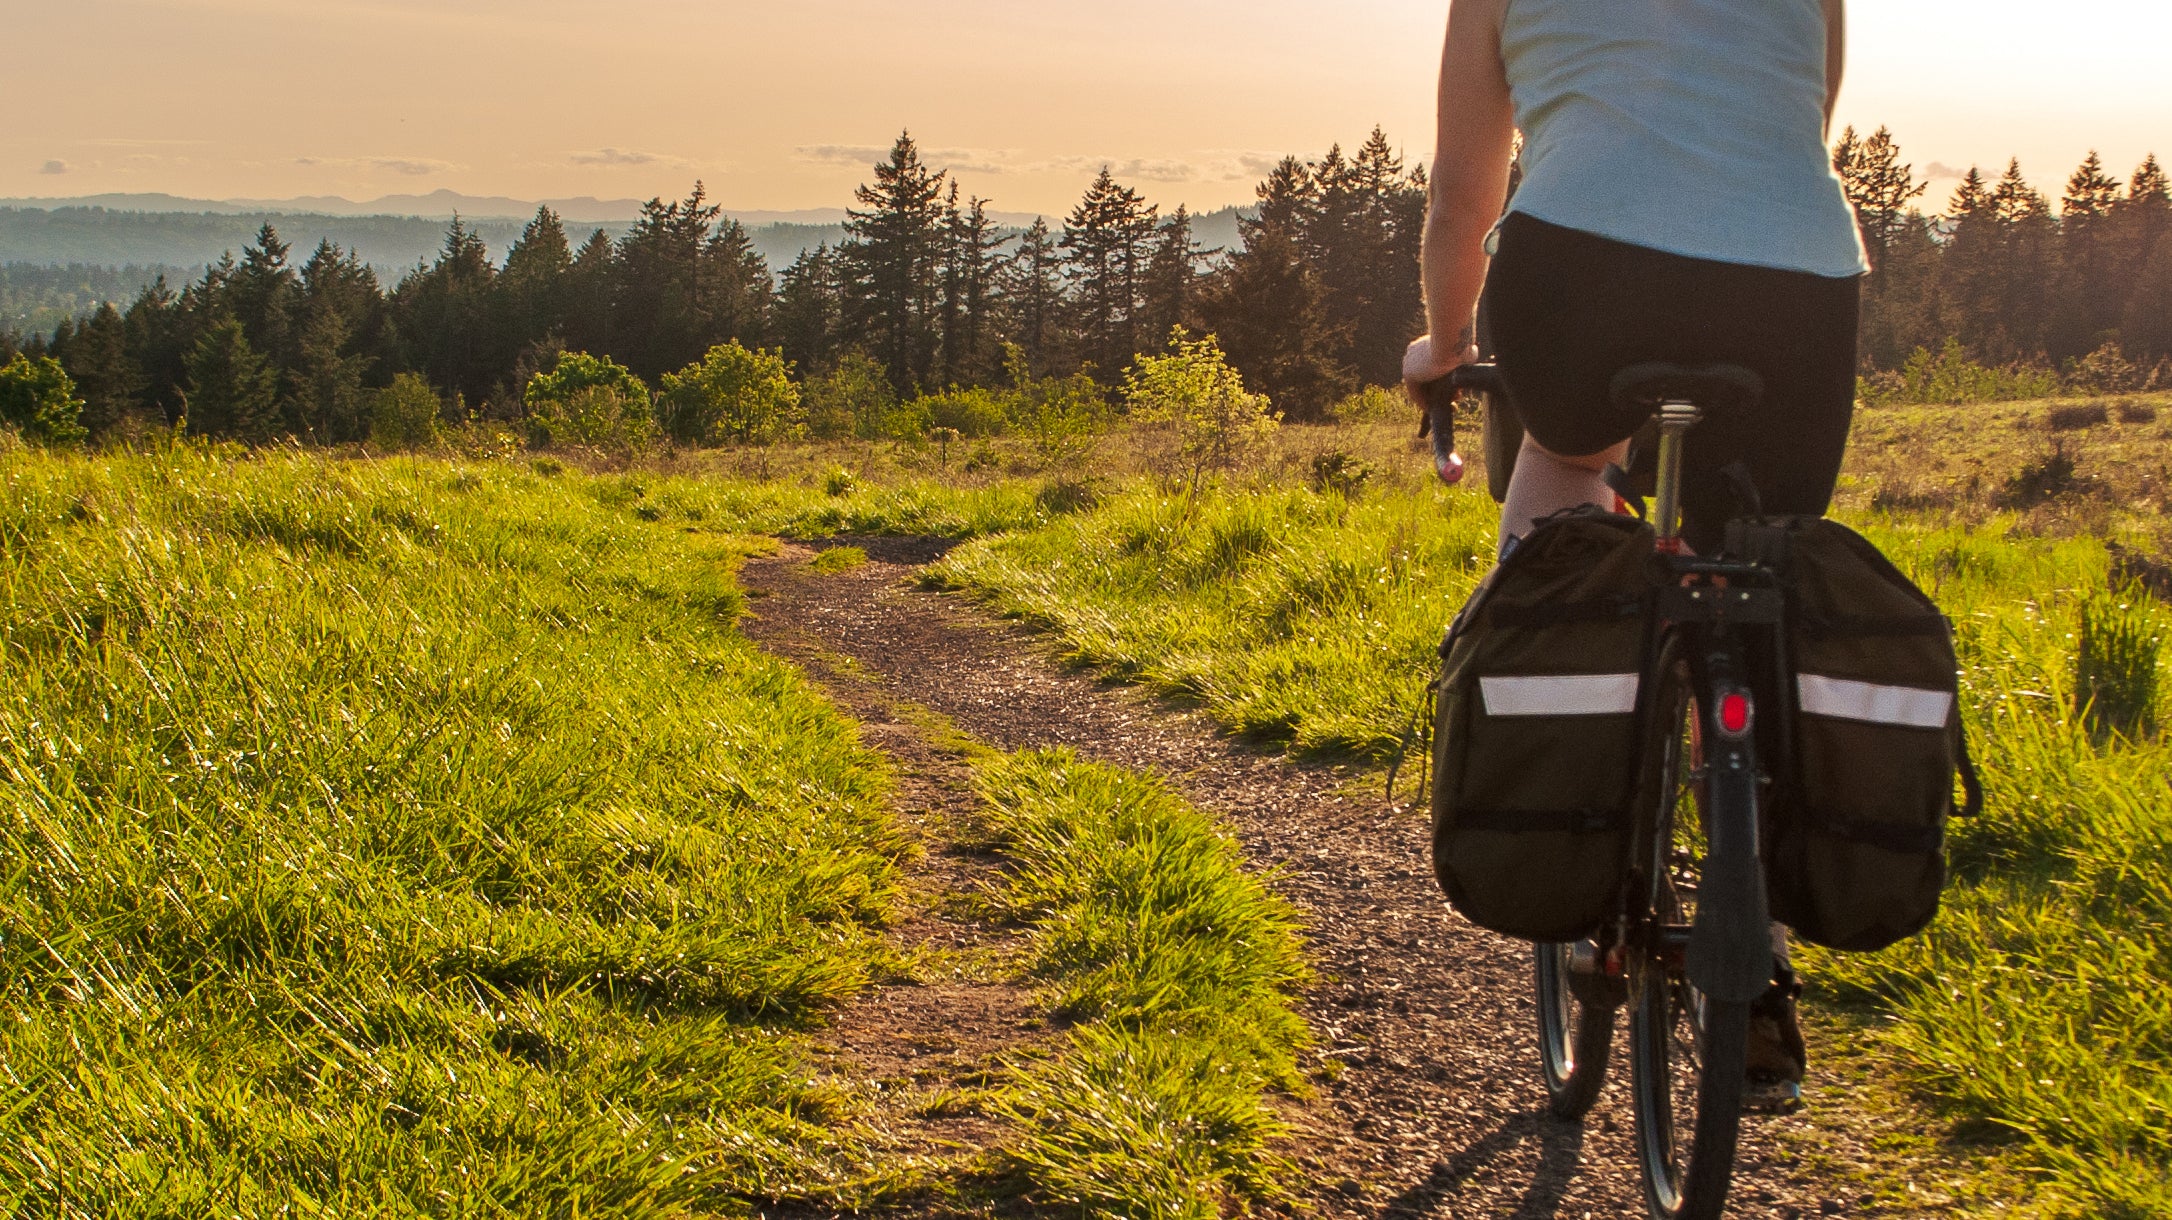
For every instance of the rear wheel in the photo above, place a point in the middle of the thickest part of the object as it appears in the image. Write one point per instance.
(1576, 1033)
(1687, 1051)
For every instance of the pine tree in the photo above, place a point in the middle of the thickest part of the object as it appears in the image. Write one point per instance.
(1172, 276)
(891, 257)
(2145, 329)
(966, 336)
(1267, 307)
(591, 322)
(1034, 298)
(2084, 314)
(2027, 236)
(2139, 220)
(261, 294)
(1881, 186)
(1366, 226)
(325, 387)
(233, 391)
(96, 358)
(532, 287)
(685, 281)
(808, 308)
(157, 343)
(737, 291)
(1107, 240)
(443, 315)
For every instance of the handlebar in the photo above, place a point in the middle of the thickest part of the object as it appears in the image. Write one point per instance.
(1438, 420)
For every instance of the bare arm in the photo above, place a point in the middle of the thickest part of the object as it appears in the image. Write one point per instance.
(1836, 55)
(1470, 177)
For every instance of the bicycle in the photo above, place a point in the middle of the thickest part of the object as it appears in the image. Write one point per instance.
(1692, 948)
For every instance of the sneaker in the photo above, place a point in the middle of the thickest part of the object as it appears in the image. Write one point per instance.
(1777, 1056)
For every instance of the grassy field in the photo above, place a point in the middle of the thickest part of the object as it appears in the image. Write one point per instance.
(405, 838)
(418, 837)
(2036, 1009)
(1174, 969)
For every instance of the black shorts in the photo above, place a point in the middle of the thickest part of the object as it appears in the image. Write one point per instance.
(1566, 310)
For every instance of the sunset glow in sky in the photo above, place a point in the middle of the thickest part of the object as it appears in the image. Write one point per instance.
(784, 105)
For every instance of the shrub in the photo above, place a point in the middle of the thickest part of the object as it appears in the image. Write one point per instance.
(2116, 644)
(731, 394)
(1061, 417)
(2104, 371)
(2076, 415)
(404, 414)
(1340, 472)
(1199, 403)
(1951, 377)
(2052, 474)
(976, 412)
(589, 400)
(852, 399)
(1370, 404)
(37, 399)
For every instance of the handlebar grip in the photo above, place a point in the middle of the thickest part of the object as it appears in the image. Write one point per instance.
(1440, 406)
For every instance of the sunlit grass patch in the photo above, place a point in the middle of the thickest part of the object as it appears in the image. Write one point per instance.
(1292, 615)
(1178, 969)
(836, 559)
(409, 837)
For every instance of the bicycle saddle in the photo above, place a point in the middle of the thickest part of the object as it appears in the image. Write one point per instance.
(1715, 387)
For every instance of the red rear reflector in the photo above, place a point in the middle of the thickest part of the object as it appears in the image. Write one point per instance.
(1734, 713)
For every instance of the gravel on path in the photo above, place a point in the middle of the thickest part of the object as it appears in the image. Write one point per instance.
(1428, 1100)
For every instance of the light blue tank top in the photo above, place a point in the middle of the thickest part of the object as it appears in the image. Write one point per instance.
(1690, 126)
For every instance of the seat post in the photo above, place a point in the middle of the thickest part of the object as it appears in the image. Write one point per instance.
(1675, 420)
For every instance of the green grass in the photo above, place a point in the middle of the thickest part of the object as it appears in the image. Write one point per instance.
(833, 560)
(1291, 615)
(2037, 1005)
(409, 838)
(2039, 1001)
(1176, 969)
(417, 837)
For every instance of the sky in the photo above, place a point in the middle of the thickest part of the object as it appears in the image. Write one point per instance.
(780, 106)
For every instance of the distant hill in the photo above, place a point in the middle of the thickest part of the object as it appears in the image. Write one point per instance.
(114, 244)
(438, 205)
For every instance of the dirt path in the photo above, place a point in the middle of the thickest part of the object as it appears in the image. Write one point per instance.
(1428, 1102)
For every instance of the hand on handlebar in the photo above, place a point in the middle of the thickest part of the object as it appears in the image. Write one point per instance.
(1428, 379)
(1425, 362)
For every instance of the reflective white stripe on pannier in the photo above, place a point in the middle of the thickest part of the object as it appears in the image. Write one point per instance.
(1907, 706)
(1560, 695)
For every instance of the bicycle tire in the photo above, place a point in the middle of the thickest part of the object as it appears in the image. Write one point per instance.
(1687, 1052)
(1575, 1036)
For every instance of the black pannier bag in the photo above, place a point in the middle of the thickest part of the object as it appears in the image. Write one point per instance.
(1535, 745)
(1855, 824)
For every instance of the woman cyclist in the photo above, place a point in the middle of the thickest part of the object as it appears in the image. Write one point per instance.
(1677, 203)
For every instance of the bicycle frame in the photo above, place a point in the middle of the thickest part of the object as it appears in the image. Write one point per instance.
(1712, 604)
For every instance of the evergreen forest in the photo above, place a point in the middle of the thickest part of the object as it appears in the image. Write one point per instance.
(2002, 292)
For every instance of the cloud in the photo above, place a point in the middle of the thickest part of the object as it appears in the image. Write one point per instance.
(616, 156)
(1206, 165)
(962, 160)
(412, 167)
(1939, 169)
(842, 154)
(54, 167)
